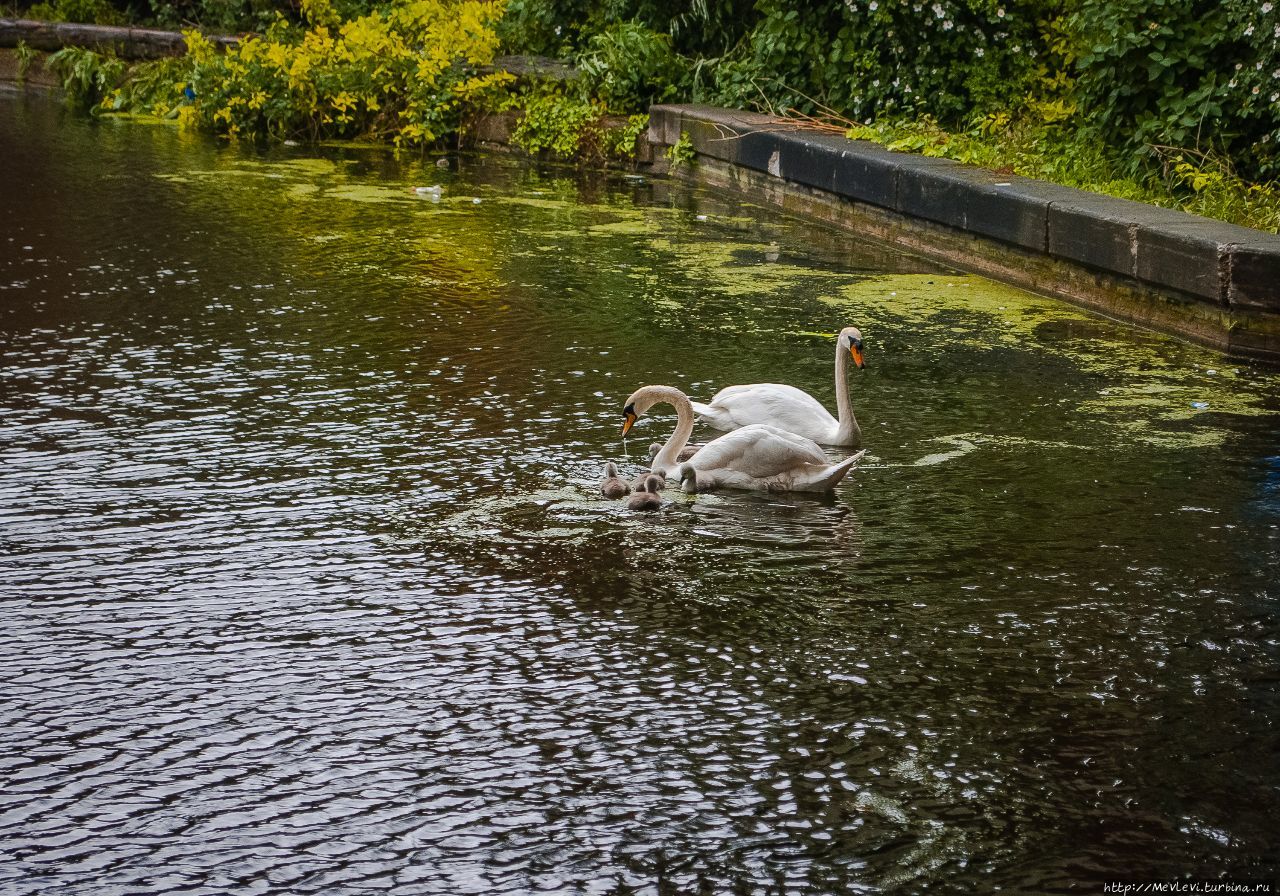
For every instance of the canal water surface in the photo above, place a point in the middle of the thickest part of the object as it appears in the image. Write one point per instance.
(306, 587)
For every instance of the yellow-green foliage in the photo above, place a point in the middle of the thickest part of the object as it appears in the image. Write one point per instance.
(568, 128)
(156, 87)
(404, 72)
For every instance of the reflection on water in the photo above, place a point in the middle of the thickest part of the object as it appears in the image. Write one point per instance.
(308, 588)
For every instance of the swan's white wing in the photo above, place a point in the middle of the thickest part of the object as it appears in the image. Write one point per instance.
(774, 404)
(760, 452)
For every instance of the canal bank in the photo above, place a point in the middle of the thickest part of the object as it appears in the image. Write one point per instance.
(1215, 283)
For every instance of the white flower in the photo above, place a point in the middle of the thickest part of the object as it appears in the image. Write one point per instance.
(1248, 32)
(1275, 96)
(874, 5)
(947, 25)
(1231, 85)
(1255, 89)
(938, 10)
(1000, 13)
(1276, 74)
(980, 52)
(1239, 65)
(1278, 31)
(1266, 7)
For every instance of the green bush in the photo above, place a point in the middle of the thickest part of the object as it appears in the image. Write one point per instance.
(156, 87)
(1186, 74)
(86, 76)
(226, 16)
(405, 74)
(629, 68)
(569, 128)
(93, 12)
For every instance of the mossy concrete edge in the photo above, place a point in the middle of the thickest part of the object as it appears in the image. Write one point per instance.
(1215, 283)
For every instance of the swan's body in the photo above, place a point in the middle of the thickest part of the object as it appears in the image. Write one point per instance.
(755, 457)
(789, 408)
(647, 498)
(613, 486)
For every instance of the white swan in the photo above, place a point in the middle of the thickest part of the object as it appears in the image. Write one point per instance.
(789, 408)
(756, 457)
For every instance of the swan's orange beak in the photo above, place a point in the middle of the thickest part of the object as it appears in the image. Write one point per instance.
(856, 351)
(629, 420)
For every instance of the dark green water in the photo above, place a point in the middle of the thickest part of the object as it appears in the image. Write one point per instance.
(305, 586)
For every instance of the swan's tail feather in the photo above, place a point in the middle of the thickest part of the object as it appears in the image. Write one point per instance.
(831, 477)
(704, 410)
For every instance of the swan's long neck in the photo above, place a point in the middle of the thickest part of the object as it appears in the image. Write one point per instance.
(844, 405)
(665, 460)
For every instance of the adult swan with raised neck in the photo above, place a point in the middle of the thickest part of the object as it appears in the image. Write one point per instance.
(757, 457)
(789, 408)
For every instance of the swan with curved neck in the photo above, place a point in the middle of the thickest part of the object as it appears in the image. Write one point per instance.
(792, 409)
(755, 457)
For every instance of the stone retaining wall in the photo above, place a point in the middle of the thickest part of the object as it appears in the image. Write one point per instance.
(1211, 281)
(127, 43)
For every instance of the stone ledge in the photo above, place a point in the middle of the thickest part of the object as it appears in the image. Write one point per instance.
(126, 42)
(1134, 247)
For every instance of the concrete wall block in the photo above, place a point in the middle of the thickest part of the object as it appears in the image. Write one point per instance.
(714, 139)
(1004, 207)
(664, 125)
(759, 149)
(1254, 273)
(1100, 231)
(867, 173)
(1187, 255)
(813, 163)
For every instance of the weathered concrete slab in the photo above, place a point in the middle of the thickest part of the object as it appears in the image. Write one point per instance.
(1004, 207)
(128, 43)
(1101, 231)
(1187, 253)
(1254, 282)
(534, 68)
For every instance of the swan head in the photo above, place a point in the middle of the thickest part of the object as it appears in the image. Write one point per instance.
(610, 470)
(652, 484)
(640, 401)
(851, 339)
